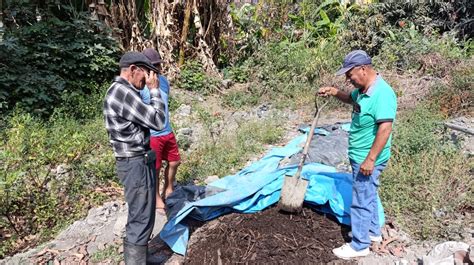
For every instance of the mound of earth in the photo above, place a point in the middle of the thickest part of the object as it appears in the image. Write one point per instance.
(267, 237)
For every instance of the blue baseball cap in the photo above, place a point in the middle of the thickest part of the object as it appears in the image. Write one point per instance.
(353, 59)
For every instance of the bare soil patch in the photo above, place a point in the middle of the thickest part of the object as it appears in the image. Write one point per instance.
(267, 237)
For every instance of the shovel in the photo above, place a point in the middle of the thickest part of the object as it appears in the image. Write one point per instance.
(294, 187)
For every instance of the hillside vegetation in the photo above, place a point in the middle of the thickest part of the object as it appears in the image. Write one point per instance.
(55, 158)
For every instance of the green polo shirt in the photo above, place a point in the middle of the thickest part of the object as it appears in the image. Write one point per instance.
(377, 105)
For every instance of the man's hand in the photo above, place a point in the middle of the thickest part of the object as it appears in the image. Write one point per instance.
(327, 91)
(151, 80)
(367, 167)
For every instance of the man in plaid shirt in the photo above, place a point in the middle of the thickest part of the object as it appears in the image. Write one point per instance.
(128, 120)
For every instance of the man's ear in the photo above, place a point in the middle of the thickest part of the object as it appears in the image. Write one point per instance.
(133, 69)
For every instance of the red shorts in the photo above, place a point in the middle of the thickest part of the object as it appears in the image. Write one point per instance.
(166, 148)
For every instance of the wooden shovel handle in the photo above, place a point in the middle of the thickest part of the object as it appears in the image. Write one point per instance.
(310, 136)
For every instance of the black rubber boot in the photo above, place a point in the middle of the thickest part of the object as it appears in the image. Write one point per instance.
(155, 260)
(133, 254)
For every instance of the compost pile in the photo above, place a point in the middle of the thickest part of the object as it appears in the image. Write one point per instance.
(267, 237)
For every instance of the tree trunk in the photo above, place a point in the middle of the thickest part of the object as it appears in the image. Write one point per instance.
(204, 52)
(1, 21)
(184, 33)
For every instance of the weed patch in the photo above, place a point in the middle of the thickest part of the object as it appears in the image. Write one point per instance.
(108, 255)
(226, 153)
(427, 180)
(47, 169)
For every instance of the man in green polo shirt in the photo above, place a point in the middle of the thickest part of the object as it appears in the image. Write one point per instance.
(374, 109)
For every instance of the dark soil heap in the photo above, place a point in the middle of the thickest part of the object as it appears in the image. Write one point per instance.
(267, 237)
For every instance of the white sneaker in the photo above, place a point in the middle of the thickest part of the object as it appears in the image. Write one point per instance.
(347, 252)
(376, 239)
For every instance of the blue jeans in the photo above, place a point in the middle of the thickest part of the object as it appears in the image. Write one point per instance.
(364, 210)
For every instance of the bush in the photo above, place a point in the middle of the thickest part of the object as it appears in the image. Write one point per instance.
(407, 49)
(48, 169)
(81, 105)
(239, 99)
(288, 72)
(238, 74)
(427, 180)
(431, 16)
(193, 78)
(39, 72)
(456, 98)
(365, 30)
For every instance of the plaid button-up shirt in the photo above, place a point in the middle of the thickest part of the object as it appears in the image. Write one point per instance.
(128, 119)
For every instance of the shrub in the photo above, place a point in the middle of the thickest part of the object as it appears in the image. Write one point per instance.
(47, 170)
(407, 49)
(427, 180)
(287, 73)
(84, 105)
(239, 99)
(457, 97)
(39, 72)
(431, 16)
(365, 30)
(193, 78)
(238, 74)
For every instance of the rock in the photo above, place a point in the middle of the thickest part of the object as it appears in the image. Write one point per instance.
(392, 233)
(239, 116)
(184, 110)
(294, 116)
(92, 248)
(210, 179)
(263, 110)
(119, 227)
(77, 231)
(443, 253)
(185, 131)
(227, 83)
(439, 213)
(62, 170)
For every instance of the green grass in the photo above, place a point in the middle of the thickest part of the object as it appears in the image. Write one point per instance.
(34, 199)
(239, 99)
(109, 255)
(228, 152)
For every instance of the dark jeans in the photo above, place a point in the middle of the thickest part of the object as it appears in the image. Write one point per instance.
(138, 176)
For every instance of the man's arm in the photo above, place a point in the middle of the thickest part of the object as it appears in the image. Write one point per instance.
(339, 94)
(150, 116)
(381, 138)
(145, 95)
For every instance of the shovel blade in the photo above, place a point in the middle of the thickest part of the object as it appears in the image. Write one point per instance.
(292, 194)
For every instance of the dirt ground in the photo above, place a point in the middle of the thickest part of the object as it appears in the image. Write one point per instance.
(267, 237)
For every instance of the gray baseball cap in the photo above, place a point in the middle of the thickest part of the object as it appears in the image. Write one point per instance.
(138, 59)
(353, 59)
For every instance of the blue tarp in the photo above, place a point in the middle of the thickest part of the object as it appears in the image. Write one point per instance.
(258, 186)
